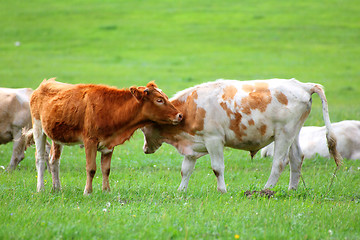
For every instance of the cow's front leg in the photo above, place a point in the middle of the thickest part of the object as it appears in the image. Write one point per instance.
(54, 164)
(18, 151)
(215, 147)
(105, 168)
(187, 169)
(90, 151)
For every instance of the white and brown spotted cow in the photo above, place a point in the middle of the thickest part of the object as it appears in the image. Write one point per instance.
(312, 141)
(98, 116)
(14, 116)
(245, 115)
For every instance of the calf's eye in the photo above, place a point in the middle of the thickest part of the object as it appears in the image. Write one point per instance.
(159, 100)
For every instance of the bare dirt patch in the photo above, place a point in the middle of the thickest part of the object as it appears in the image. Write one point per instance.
(263, 193)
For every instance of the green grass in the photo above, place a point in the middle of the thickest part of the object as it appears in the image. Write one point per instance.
(180, 44)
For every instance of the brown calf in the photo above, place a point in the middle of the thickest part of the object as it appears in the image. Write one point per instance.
(98, 116)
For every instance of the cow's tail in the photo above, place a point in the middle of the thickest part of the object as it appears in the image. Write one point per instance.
(330, 136)
(29, 137)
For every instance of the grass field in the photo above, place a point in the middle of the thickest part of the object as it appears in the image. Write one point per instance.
(180, 44)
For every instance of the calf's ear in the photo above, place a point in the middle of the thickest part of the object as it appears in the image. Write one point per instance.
(137, 93)
(151, 85)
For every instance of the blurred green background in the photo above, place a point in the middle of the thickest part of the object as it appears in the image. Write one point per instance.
(182, 43)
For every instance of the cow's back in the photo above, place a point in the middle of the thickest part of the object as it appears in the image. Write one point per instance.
(244, 113)
(14, 112)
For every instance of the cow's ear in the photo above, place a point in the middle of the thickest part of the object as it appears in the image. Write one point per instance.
(137, 93)
(151, 84)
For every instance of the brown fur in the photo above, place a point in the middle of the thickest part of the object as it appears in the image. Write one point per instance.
(251, 122)
(70, 113)
(98, 114)
(235, 123)
(259, 98)
(263, 130)
(281, 98)
(190, 110)
(229, 93)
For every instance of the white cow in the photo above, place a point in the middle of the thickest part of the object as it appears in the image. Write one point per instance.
(14, 116)
(245, 115)
(312, 141)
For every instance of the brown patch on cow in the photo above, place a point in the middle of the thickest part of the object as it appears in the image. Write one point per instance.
(193, 115)
(263, 130)
(263, 193)
(281, 98)
(251, 122)
(281, 166)
(227, 110)
(229, 93)
(259, 97)
(197, 114)
(216, 173)
(235, 120)
(304, 116)
(248, 88)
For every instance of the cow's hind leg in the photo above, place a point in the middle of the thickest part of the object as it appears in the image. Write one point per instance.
(215, 147)
(187, 169)
(296, 160)
(281, 150)
(90, 151)
(105, 168)
(54, 164)
(40, 140)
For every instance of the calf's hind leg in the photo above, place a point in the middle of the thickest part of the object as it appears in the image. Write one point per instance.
(40, 140)
(90, 151)
(54, 164)
(105, 169)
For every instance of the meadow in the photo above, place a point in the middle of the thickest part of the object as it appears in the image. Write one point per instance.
(179, 44)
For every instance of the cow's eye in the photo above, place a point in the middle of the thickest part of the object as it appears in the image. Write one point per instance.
(160, 100)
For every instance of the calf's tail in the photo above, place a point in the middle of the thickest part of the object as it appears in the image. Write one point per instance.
(330, 136)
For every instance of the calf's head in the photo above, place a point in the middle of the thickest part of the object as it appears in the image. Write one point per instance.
(156, 105)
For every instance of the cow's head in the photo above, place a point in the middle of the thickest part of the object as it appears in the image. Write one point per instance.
(152, 138)
(156, 105)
